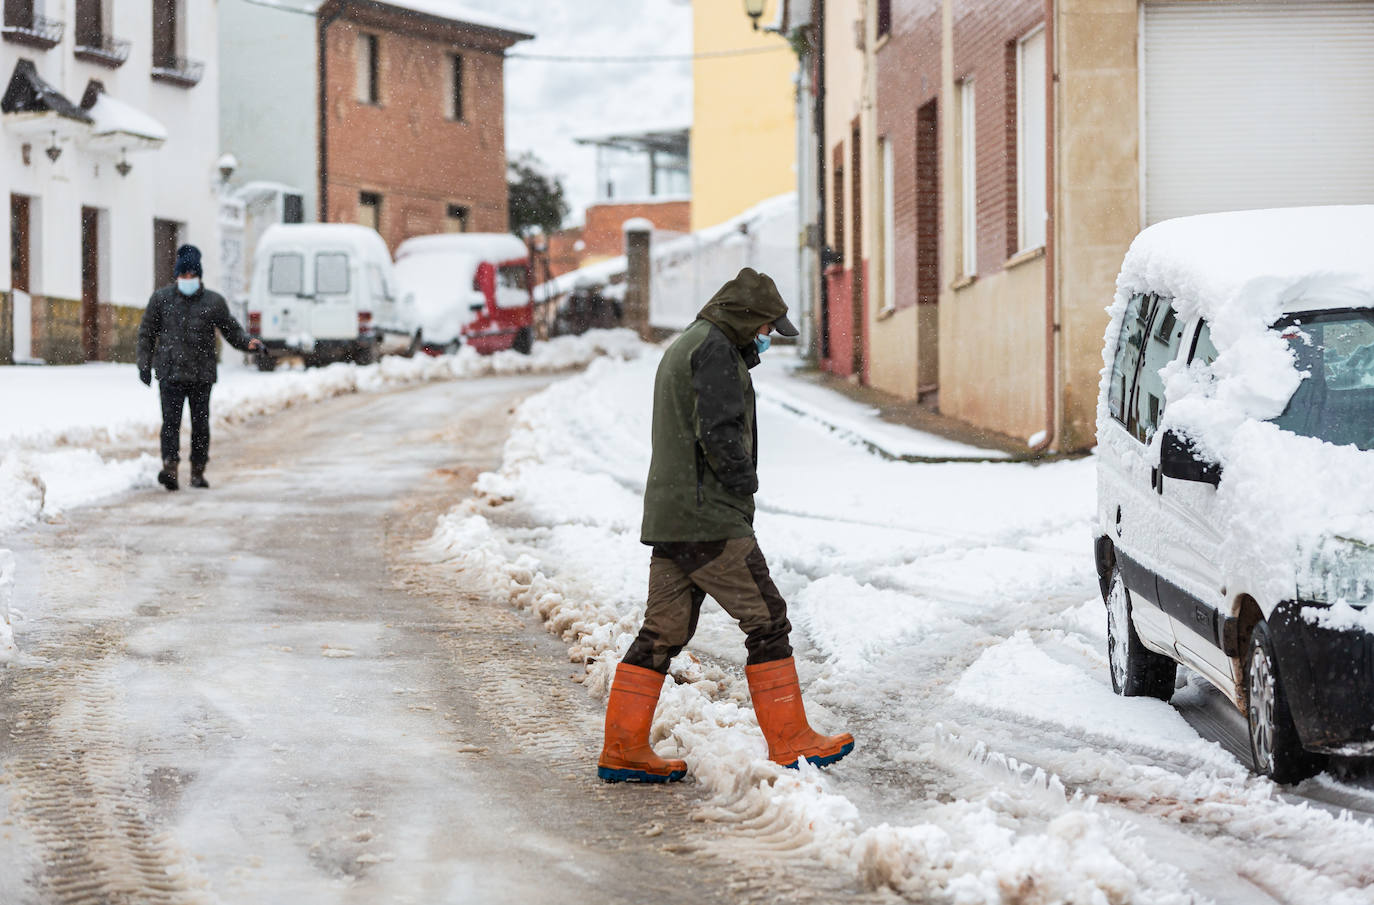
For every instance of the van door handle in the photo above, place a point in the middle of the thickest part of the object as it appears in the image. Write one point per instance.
(1157, 481)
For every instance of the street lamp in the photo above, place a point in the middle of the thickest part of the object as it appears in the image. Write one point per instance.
(754, 9)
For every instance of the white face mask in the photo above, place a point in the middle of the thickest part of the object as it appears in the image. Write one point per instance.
(188, 286)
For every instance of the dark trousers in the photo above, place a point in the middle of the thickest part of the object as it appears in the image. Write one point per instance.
(174, 398)
(735, 574)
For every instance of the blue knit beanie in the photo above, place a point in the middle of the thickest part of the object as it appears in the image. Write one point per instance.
(188, 261)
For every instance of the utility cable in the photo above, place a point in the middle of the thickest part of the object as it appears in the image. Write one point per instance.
(664, 58)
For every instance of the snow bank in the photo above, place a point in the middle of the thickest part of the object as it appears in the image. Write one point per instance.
(1241, 272)
(893, 563)
(6, 591)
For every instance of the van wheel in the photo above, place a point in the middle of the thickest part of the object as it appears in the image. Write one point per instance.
(524, 341)
(416, 343)
(1136, 670)
(1274, 744)
(266, 363)
(365, 354)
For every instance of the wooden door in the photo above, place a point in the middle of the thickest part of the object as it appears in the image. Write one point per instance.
(858, 286)
(90, 24)
(165, 33)
(90, 283)
(19, 242)
(166, 237)
(928, 251)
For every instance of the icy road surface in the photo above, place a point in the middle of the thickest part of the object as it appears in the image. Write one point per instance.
(255, 694)
(947, 615)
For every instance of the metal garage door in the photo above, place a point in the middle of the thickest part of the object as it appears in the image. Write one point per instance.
(1257, 104)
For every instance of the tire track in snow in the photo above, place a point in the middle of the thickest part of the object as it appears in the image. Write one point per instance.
(74, 783)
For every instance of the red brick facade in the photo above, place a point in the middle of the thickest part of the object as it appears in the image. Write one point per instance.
(420, 163)
(603, 234)
(908, 112)
(985, 37)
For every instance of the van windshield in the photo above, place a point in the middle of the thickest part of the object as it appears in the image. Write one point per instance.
(1335, 401)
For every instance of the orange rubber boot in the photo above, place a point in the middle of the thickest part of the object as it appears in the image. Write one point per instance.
(782, 717)
(626, 756)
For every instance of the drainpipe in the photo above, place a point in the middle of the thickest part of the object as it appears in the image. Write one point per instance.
(322, 102)
(818, 17)
(1051, 305)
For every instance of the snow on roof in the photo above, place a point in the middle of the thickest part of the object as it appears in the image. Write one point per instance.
(454, 12)
(494, 247)
(315, 234)
(115, 117)
(1267, 261)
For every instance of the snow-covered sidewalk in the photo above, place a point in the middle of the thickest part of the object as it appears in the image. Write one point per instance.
(947, 614)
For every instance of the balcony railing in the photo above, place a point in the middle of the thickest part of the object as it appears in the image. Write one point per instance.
(106, 51)
(37, 32)
(179, 71)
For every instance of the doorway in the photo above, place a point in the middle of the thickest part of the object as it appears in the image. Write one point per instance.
(858, 287)
(166, 239)
(90, 283)
(928, 254)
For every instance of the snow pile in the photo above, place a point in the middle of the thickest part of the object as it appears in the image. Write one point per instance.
(58, 417)
(892, 568)
(7, 648)
(1241, 272)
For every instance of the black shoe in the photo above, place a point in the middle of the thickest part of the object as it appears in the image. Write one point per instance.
(198, 477)
(168, 476)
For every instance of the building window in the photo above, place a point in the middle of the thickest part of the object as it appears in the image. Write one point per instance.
(453, 97)
(884, 17)
(370, 210)
(456, 219)
(369, 70)
(968, 180)
(888, 220)
(168, 27)
(1030, 141)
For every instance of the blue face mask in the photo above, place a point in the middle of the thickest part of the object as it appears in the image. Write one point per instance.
(762, 342)
(188, 286)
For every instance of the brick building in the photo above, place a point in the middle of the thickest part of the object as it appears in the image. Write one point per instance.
(390, 114)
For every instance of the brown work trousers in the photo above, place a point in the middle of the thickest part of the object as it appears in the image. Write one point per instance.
(735, 574)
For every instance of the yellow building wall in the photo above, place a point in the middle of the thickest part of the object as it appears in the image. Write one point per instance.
(743, 113)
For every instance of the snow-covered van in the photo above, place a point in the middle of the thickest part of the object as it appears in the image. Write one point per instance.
(326, 292)
(1235, 529)
(469, 287)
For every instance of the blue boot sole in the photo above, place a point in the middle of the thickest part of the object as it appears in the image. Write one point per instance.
(611, 774)
(824, 761)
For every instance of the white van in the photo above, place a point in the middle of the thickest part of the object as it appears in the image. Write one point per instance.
(326, 292)
(1235, 529)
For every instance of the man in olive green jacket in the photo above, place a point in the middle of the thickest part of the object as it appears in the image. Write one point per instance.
(699, 520)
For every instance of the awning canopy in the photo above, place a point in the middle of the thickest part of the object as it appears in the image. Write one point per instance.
(116, 126)
(31, 105)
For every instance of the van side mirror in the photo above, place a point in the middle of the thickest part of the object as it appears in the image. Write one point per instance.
(1179, 459)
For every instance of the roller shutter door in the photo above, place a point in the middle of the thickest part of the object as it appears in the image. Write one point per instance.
(1257, 104)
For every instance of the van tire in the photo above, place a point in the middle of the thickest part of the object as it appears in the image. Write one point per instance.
(1136, 670)
(524, 341)
(417, 343)
(365, 354)
(266, 363)
(1275, 748)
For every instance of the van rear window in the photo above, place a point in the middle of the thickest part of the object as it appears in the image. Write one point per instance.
(331, 273)
(286, 274)
(513, 276)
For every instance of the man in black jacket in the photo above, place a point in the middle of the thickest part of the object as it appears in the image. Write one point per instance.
(177, 338)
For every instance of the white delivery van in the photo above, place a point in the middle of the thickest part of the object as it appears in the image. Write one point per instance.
(1235, 474)
(326, 292)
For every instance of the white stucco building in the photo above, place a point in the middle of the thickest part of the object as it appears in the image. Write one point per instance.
(109, 140)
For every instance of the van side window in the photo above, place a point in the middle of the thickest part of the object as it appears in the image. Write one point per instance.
(1166, 335)
(286, 275)
(1127, 361)
(1203, 349)
(331, 273)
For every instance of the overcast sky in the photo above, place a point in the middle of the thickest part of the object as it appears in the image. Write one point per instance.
(550, 103)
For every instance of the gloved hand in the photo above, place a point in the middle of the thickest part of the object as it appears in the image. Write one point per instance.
(146, 375)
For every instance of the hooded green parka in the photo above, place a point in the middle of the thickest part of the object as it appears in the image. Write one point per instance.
(703, 472)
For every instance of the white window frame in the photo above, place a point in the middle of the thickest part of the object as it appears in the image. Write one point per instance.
(968, 178)
(889, 229)
(1031, 201)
